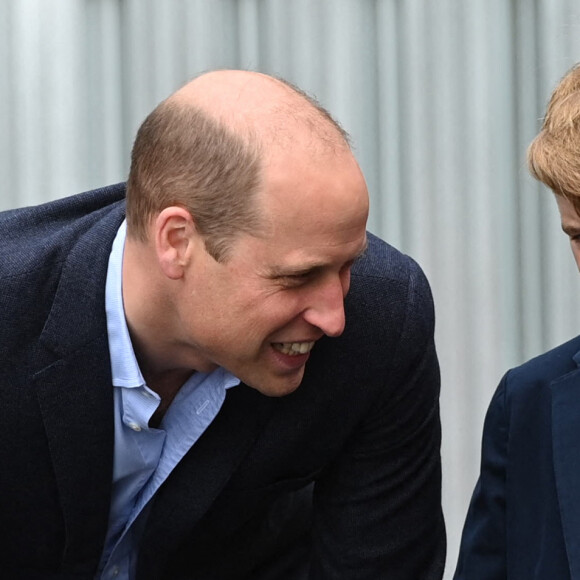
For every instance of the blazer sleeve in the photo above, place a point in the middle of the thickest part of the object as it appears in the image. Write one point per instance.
(377, 508)
(482, 553)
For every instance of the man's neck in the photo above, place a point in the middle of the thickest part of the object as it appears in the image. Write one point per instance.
(166, 385)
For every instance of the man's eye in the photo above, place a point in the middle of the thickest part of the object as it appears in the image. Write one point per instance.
(295, 279)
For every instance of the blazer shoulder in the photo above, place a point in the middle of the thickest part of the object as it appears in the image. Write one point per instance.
(541, 370)
(391, 282)
(35, 236)
(389, 313)
(384, 261)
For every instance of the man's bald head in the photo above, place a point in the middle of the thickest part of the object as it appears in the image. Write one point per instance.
(204, 148)
(265, 105)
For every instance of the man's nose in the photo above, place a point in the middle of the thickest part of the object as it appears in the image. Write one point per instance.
(326, 310)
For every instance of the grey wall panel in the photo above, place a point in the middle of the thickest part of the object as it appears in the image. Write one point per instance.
(441, 99)
(8, 193)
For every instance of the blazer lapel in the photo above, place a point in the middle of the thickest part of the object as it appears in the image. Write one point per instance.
(76, 401)
(566, 452)
(196, 482)
(73, 381)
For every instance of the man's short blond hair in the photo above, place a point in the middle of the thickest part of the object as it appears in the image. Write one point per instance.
(554, 155)
(182, 156)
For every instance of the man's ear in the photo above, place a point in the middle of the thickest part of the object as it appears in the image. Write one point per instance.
(174, 233)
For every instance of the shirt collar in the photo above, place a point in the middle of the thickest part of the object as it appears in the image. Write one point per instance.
(124, 366)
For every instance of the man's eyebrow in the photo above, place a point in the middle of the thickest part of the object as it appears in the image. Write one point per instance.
(303, 269)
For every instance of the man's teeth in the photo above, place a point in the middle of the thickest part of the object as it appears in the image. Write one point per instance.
(293, 348)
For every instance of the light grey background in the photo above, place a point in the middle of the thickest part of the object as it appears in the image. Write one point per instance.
(441, 97)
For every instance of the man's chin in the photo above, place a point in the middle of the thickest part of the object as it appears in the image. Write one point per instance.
(278, 386)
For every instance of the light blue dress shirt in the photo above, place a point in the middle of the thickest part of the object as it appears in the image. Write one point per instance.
(144, 457)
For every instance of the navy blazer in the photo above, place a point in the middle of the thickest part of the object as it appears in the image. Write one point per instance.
(524, 519)
(363, 427)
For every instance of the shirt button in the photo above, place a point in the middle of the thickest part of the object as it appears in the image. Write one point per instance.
(135, 427)
(114, 571)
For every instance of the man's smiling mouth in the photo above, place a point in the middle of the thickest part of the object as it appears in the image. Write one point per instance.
(293, 348)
